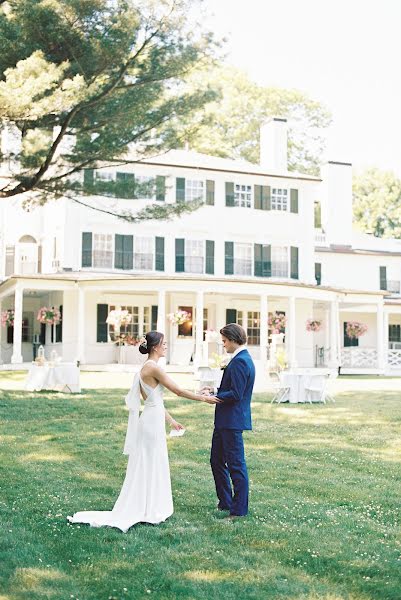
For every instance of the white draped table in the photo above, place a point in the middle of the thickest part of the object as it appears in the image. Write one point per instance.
(299, 382)
(62, 377)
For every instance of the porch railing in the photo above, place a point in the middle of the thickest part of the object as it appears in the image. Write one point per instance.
(359, 357)
(394, 359)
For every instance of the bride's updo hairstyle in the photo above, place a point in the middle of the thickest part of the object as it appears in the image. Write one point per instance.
(151, 340)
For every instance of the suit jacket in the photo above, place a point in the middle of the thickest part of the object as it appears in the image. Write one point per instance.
(236, 391)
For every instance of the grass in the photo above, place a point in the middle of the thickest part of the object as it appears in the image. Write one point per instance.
(324, 520)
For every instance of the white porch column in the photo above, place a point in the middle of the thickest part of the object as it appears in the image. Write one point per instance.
(141, 312)
(161, 312)
(334, 348)
(292, 324)
(385, 337)
(17, 341)
(198, 329)
(1, 329)
(81, 325)
(380, 335)
(264, 308)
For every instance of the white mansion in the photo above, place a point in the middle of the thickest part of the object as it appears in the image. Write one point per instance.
(265, 241)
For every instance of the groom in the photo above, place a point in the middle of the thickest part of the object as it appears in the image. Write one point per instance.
(232, 417)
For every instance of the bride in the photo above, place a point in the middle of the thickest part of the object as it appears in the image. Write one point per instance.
(146, 492)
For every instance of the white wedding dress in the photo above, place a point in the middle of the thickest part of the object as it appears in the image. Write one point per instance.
(146, 493)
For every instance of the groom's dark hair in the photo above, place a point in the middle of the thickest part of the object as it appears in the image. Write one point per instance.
(234, 333)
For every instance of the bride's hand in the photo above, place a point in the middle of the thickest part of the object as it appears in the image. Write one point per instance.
(175, 425)
(211, 400)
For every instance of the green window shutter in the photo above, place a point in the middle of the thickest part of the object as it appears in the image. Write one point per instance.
(118, 251)
(89, 180)
(231, 315)
(159, 253)
(209, 257)
(383, 278)
(318, 215)
(229, 194)
(294, 263)
(267, 260)
(160, 188)
(102, 312)
(294, 201)
(128, 252)
(86, 249)
(229, 258)
(257, 194)
(179, 255)
(266, 201)
(59, 326)
(318, 273)
(180, 189)
(154, 315)
(257, 259)
(125, 185)
(210, 192)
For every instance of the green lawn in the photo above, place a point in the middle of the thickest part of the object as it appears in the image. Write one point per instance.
(325, 502)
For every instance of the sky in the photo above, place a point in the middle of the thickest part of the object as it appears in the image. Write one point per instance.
(344, 53)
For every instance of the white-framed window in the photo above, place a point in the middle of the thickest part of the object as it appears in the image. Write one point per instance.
(194, 189)
(279, 199)
(279, 261)
(242, 259)
(145, 186)
(242, 195)
(103, 175)
(143, 253)
(102, 250)
(194, 256)
(132, 328)
(253, 328)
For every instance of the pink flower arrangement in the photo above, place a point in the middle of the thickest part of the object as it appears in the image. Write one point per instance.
(355, 329)
(119, 318)
(314, 325)
(277, 322)
(7, 318)
(50, 316)
(179, 317)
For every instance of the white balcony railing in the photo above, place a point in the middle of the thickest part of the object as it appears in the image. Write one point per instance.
(320, 237)
(359, 357)
(393, 286)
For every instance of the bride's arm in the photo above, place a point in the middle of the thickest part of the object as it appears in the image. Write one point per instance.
(171, 385)
(172, 422)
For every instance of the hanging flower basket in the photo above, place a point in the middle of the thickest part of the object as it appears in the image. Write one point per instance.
(179, 317)
(354, 329)
(314, 325)
(49, 316)
(7, 318)
(119, 318)
(277, 322)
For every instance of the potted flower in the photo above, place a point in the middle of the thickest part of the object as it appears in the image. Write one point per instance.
(314, 325)
(49, 316)
(277, 322)
(355, 329)
(179, 317)
(7, 318)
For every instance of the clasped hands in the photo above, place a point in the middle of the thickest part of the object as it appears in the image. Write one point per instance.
(208, 392)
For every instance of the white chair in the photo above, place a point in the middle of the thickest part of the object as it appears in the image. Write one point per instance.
(331, 376)
(316, 387)
(281, 391)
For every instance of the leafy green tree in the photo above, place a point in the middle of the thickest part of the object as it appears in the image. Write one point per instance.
(88, 83)
(231, 123)
(377, 202)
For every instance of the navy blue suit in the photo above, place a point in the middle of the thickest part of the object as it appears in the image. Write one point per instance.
(232, 417)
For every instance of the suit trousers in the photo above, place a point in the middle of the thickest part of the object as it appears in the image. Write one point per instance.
(227, 459)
